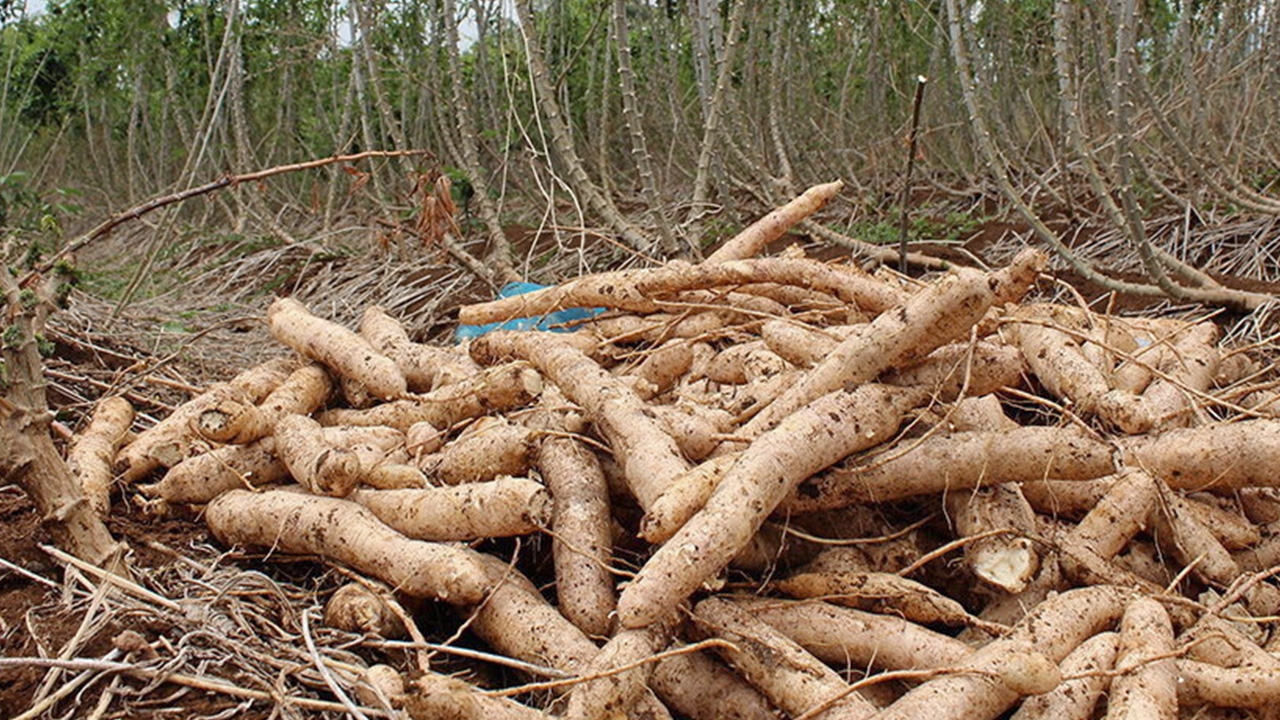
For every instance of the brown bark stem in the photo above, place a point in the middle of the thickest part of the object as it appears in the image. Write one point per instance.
(563, 141)
(27, 452)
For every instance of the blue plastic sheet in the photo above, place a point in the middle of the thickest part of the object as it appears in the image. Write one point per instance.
(558, 321)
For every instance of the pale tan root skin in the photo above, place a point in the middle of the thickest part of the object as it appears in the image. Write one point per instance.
(393, 476)
(354, 395)
(1008, 610)
(170, 441)
(425, 367)
(940, 313)
(746, 401)
(1094, 348)
(494, 390)
(1121, 513)
(1215, 642)
(440, 697)
(889, 556)
(752, 240)
(881, 592)
(459, 366)
(1190, 367)
(696, 429)
(515, 620)
(1056, 359)
(1209, 456)
(843, 636)
(747, 309)
(1076, 698)
(1134, 374)
(1167, 376)
(373, 443)
(203, 477)
(1000, 673)
(957, 368)
(1015, 279)
(503, 507)
(1006, 562)
(357, 609)
(957, 462)
(1147, 687)
(1234, 530)
(982, 413)
(233, 418)
(772, 546)
(641, 291)
(1086, 551)
(703, 354)
(1143, 559)
(1260, 505)
(663, 366)
(342, 531)
(886, 555)
(822, 433)
(685, 497)
(93, 451)
(423, 438)
(489, 448)
(1265, 555)
(649, 457)
(801, 344)
(615, 695)
(1247, 686)
(381, 684)
(1071, 499)
(1181, 534)
(783, 671)
(582, 548)
(1233, 367)
(744, 362)
(316, 464)
(303, 392)
(336, 347)
(659, 327)
(1023, 664)
(1061, 623)
(804, 300)
(167, 453)
(1086, 568)
(699, 686)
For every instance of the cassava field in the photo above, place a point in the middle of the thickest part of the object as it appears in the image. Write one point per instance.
(661, 360)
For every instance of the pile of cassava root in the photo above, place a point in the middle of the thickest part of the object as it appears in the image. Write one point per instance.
(771, 487)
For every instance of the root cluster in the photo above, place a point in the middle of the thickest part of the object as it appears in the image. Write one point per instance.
(767, 485)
